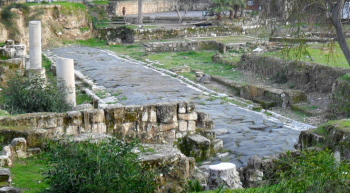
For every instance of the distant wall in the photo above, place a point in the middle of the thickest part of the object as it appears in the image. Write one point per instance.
(181, 46)
(153, 6)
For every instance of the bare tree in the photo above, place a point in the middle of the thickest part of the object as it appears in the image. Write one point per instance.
(139, 16)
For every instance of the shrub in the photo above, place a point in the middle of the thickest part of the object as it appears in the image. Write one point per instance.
(106, 166)
(27, 95)
(313, 171)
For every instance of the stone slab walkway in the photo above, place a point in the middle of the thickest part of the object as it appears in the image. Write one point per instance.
(245, 133)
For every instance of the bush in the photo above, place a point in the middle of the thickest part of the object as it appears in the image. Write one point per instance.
(106, 166)
(313, 171)
(27, 95)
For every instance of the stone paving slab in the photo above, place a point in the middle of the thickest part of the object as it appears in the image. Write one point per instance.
(136, 84)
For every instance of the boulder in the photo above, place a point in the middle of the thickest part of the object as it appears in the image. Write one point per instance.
(223, 175)
(5, 177)
(195, 146)
(9, 189)
(205, 79)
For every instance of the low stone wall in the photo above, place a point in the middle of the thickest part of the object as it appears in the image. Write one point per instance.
(298, 40)
(127, 35)
(152, 124)
(182, 46)
(167, 20)
(303, 75)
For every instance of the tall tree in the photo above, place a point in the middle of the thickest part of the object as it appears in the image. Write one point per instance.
(139, 16)
(220, 6)
(236, 5)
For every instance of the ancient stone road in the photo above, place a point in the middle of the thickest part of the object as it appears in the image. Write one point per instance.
(240, 129)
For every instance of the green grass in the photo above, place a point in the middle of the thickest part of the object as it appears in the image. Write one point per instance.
(67, 6)
(27, 174)
(325, 54)
(195, 60)
(2, 44)
(100, 2)
(82, 97)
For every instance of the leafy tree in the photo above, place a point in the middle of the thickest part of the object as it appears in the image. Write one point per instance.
(89, 166)
(236, 5)
(219, 6)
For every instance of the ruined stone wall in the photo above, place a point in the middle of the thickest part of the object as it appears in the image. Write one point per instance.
(149, 6)
(131, 36)
(153, 6)
(304, 75)
(181, 46)
(152, 123)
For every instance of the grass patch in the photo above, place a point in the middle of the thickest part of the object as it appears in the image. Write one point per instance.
(195, 60)
(82, 97)
(325, 54)
(27, 174)
(100, 2)
(68, 7)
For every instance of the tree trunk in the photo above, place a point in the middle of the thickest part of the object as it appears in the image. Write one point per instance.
(219, 17)
(235, 7)
(231, 15)
(139, 18)
(242, 12)
(336, 10)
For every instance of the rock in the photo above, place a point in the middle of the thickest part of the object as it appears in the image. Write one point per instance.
(205, 79)
(188, 117)
(19, 147)
(85, 106)
(9, 42)
(9, 52)
(224, 175)
(10, 190)
(5, 161)
(173, 167)
(217, 145)
(219, 132)
(210, 134)
(195, 146)
(5, 177)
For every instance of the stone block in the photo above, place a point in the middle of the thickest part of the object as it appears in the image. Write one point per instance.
(20, 50)
(152, 116)
(183, 125)
(35, 137)
(166, 112)
(168, 126)
(5, 177)
(195, 146)
(188, 116)
(210, 134)
(191, 126)
(9, 52)
(209, 124)
(19, 147)
(144, 116)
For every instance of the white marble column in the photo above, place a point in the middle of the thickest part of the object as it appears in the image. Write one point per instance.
(35, 44)
(66, 79)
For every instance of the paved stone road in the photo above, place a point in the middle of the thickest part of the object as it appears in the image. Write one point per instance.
(138, 84)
